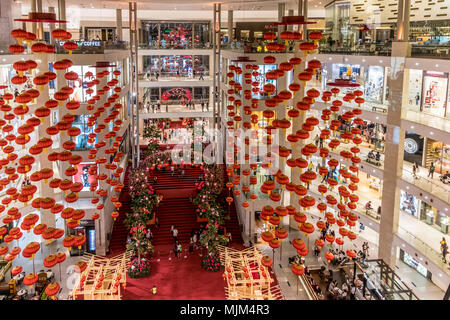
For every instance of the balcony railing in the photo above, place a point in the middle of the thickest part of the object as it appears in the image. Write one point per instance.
(177, 45)
(432, 254)
(439, 51)
(432, 187)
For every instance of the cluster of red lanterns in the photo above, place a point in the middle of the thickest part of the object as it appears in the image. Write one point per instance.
(104, 102)
(272, 215)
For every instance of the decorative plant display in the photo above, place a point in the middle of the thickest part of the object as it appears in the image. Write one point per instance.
(208, 207)
(152, 134)
(139, 268)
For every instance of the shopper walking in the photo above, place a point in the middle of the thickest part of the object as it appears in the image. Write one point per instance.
(444, 249)
(414, 168)
(191, 245)
(179, 250)
(431, 170)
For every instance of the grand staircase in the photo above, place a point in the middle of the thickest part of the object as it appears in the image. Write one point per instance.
(175, 209)
(177, 212)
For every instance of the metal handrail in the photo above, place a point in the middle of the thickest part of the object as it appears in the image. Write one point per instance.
(430, 186)
(425, 249)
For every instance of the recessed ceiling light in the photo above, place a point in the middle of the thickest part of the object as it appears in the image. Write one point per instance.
(407, 187)
(363, 60)
(431, 132)
(436, 65)
(377, 118)
(381, 61)
(417, 63)
(426, 197)
(412, 127)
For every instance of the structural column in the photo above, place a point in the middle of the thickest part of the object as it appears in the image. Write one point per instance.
(216, 64)
(297, 122)
(45, 190)
(9, 10)
(230, 26)
(62, 13)
(119, 24)
(51, 25)
(394, 148)
(281, 10)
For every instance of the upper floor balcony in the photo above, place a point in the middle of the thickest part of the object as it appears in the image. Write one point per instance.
(419, 50)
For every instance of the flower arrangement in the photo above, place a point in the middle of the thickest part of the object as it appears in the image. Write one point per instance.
(139, 244)
(139, 268)
(211, 262)
(143, 199)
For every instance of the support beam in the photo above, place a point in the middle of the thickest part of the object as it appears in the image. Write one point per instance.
(119, 24)
(281, 12)
(216, 66)
(230, 26)
(62, 13)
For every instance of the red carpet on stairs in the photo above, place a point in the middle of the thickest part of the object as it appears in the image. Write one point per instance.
(180, 213)
(176, 279)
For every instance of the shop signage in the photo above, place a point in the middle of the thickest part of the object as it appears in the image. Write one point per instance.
(93, 43)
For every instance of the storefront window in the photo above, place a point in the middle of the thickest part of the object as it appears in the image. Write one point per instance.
(176, 35)
(439, 154)
(434, 93)
(345, 71)
(413, 263)
(175, 95)
(171, 66)
(433, 217)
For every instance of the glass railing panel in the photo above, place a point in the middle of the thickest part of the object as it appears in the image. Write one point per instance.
(427, 184)
(437, 51)
(432, 254)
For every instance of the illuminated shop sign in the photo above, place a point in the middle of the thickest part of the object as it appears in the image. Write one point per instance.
(85, 43)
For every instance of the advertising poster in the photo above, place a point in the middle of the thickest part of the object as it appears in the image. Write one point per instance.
(374, 84)
(53, 121)
(415, 89)
(435, 93)
(409, 203)
(83, 175)
(79, 85)
(81, 140)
